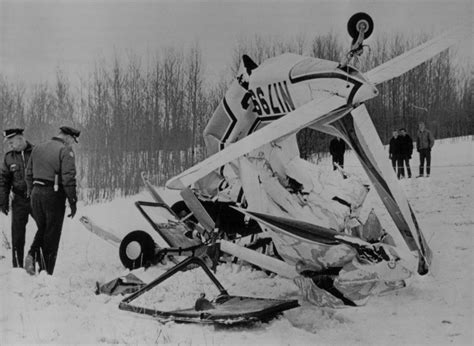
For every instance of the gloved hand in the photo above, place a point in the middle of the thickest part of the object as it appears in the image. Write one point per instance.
(5, 209)
(73, 210)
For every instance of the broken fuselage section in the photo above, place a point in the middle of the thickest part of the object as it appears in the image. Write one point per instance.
(274, 181)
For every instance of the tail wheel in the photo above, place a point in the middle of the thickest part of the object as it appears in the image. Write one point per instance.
(137, 250)
(360, 22)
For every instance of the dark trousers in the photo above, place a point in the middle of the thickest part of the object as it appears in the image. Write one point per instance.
(339, 159)
(401, 169)
(425, 155)
(20, 211)
(48, 208)
(394, 164)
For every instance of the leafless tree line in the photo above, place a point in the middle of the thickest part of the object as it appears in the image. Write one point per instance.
(149, 117)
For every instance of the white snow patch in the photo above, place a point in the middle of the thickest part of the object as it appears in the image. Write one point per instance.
(434, 310)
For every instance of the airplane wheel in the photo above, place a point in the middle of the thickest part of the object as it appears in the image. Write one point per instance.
(137, 250)
(360, 22)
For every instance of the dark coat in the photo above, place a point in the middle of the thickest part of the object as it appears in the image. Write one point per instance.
(337, 147)
(394, 148)
(51, 158)
(406, 146)
(12, 173)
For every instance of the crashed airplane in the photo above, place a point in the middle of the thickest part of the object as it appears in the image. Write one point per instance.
(256, 177)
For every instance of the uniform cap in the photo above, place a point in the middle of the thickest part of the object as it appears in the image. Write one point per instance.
(70, 131)
(10, 133)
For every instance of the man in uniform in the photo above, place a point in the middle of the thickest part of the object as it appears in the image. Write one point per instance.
(51, 179)
(12, 178)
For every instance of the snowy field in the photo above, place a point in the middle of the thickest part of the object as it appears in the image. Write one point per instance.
(434, 310)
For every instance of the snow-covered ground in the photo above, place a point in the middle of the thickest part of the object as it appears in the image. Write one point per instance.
(434, 310)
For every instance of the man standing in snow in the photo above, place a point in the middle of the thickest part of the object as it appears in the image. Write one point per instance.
(394, 150)
(12, 178)
(337, 147)
(424, 143)
(51, 179)
(406, 150)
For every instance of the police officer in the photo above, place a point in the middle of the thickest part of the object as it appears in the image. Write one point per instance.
(12, 178)
(51, 179)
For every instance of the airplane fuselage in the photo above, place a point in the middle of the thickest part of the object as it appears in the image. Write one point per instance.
(296, 80)
(277, 87)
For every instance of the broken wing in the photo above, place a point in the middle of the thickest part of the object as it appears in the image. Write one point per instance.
(325, 109)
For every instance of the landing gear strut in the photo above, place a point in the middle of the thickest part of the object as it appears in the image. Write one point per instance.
(360, 26)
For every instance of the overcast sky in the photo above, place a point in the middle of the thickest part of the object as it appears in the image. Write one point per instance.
(37, 37)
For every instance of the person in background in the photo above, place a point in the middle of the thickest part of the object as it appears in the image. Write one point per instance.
(51, 179)
(406, 150)
(394, 150)
(337, 147)
(424, 143)
(12, 179)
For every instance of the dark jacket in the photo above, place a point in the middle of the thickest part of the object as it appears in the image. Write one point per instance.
(394, 148)
(51, 158)
(12, 173)
(425, 140)
(337, 147)
(406, 146)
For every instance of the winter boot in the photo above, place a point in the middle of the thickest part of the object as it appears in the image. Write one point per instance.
(30, 265)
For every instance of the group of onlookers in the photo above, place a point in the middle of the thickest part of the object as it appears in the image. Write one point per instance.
(401, 150)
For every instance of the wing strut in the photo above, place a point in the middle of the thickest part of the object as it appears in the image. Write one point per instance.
(359, 131)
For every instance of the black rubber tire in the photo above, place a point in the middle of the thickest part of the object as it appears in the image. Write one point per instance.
(147, 250)
(352, 25)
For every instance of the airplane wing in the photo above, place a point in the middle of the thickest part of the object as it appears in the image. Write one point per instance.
(416, 56)
(324, 109)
